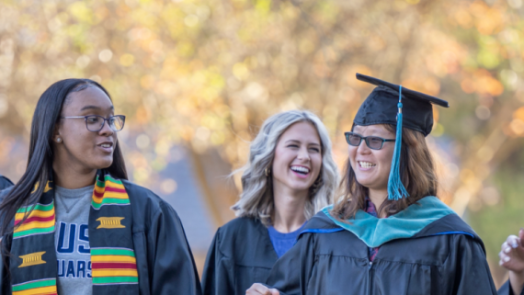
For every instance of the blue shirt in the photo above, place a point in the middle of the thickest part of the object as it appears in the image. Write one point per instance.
(282, 242)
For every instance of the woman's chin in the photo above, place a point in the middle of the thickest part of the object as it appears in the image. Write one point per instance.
(103, 163)
(364, 182)
(370, 184)
(299, 187)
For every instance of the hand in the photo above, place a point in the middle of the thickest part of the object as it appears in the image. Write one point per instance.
(512, 258)
(512, 253)
(259, 289)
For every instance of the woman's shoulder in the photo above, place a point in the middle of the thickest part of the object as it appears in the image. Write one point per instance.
(246, 240)
(140, 193)
(5, 182)
(322, 220)
(241, 225)
(446, 222)
(146, 202)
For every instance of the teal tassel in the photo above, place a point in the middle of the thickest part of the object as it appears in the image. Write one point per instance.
(396, 189)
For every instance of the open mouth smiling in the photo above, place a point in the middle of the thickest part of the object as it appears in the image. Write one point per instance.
(107, 146)
(300, 170)
(364, 164)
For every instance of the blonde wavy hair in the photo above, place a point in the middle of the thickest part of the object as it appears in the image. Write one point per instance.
(256, 199)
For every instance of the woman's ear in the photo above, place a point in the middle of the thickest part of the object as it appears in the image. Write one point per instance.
(56, 135)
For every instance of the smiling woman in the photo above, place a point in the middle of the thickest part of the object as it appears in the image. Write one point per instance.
(367, 171)
(84, 142)
(389, 234)
(290, 176)
(74, 224)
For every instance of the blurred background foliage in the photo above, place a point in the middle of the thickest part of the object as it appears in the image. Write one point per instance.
(205, 74)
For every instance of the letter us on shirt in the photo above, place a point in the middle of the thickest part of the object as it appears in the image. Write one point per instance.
(72, 250)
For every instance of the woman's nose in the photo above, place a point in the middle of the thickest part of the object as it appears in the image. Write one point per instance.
(363, 148)
(303, 154)
(106, 130)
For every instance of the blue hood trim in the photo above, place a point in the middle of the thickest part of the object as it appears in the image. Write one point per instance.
(375, 232)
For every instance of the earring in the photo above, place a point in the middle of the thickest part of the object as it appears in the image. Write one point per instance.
(59, 140)
(267, 172)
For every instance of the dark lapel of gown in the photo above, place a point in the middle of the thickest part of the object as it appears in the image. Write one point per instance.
(241, 254)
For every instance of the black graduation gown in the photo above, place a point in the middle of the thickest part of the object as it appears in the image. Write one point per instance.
(241, 254)
(506, 290)
(445, 257)
(164, 259)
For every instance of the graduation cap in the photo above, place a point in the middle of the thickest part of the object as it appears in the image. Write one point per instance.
(393, 104)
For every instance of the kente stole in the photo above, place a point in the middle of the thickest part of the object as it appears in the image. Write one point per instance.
(33, 263)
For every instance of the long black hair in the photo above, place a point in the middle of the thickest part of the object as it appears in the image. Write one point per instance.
(41, 156)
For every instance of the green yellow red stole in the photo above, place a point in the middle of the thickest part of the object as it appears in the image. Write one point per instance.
(33, 262)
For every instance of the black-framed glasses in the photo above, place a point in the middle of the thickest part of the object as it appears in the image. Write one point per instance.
(95, 123)
(373, 142)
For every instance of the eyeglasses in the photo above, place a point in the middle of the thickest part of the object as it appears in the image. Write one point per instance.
(95, 123)
(373, 142)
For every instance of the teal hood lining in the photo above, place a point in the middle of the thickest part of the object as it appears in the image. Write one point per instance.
(375, 232)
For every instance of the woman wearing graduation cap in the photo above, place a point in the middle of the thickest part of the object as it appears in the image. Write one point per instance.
(389, 234)
(290, 176)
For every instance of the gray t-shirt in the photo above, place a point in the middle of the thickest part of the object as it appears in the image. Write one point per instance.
(72, 240)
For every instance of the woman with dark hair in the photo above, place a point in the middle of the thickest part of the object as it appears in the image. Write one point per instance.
(74, 224)
(389, 234)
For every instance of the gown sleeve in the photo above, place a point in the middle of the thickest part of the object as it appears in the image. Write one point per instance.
(5, 283)
(5, 245)
(292, 271)
(216, 279)
(210, 269)
(507, 290)
(472, 274)
(171, 263)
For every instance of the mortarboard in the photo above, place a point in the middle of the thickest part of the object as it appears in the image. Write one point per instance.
(393, 104)
(380, 107)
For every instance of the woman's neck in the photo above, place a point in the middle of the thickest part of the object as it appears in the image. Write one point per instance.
(70, 177)
(378, 197)
(289, 209)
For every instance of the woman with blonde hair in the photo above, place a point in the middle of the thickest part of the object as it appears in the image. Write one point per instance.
(290, 176)
(390, 234)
